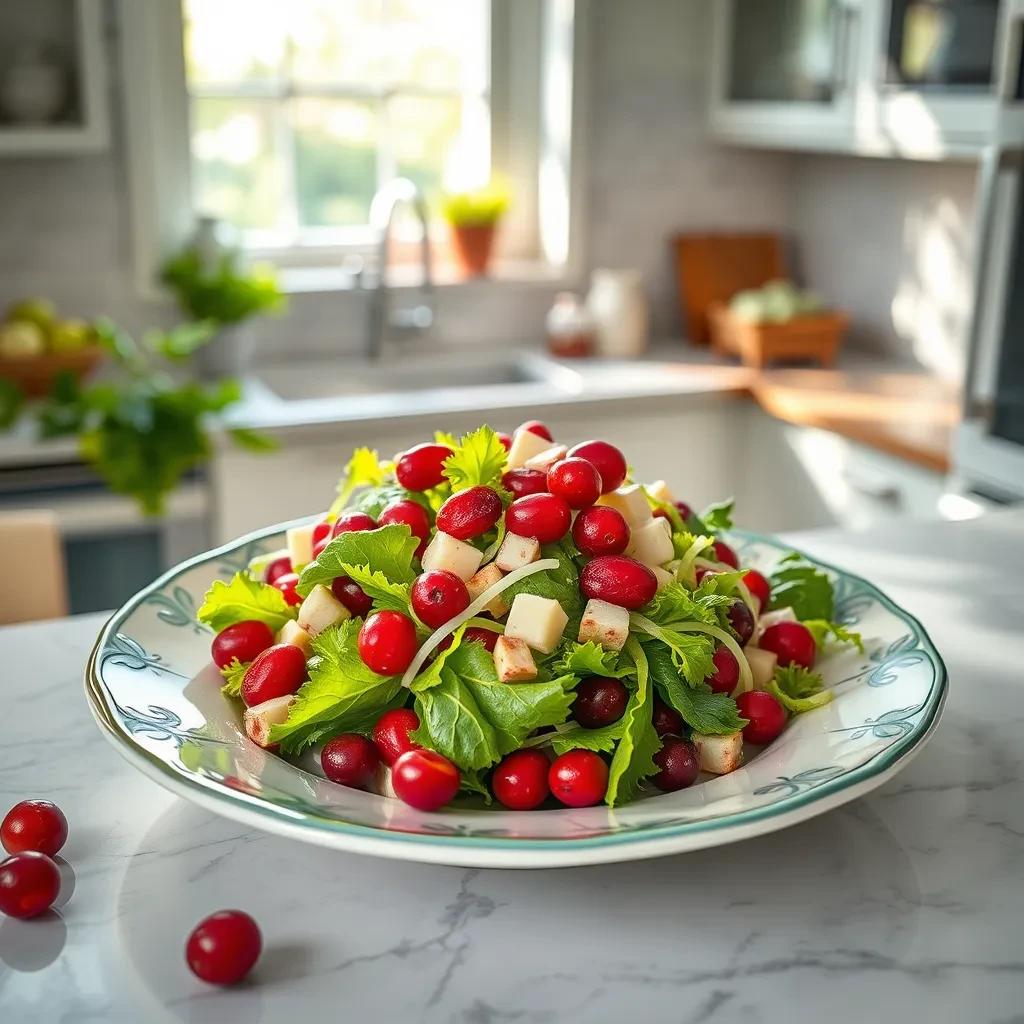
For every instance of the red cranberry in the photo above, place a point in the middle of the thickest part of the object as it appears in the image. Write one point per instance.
(391, 733)
(536, 427)
(350, 760)
(425, 779)
(29, 884)
(724, 553)
(544, 516)
(703, 571)
(320, 545)
(243, 640)
(352, 596)
(618, 580)
(480, 634)
(600, 531)
(575, 480)
(224, 947)
(765, 716)
(726, 672)
(287, 585)
(276, 672)
(505, 439)
(678, 762)
(388, 643)
(277, 568)
(578, 778)
(520, 782)
(684, 510)
(793, 642)
(758, 586)
(354, 522)
(741, 618)
(599, 702)
(607, 459)
(521, 482)
(412, 514)
(322, 531)
(36, 825)
(422, 467)
(469, 513)
(666, 720)
(438, 596)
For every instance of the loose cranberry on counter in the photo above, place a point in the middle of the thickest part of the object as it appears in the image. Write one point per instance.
(599, 702)
(678, 762)
(354, 522)
(505, 439)
(276, 672)
(391, 733)
(793, 642)
(575, 480)
(766, 716)
(350, 760)
(388, 642)
(277, 568)
(544, 516)
(724, 553)
(618, 580)
(759, 587)
(606, 458)
(666, 720)
(224, 947)
(287, 584)
(600, 531)
(536, 427)
(36, 825)
(521, 482)
(242, 640)
(425, 779)
(438, 596)
(726, 673)
(578, 778)
(352, 596)
(29, 884)
(520, 782)
(469, 513)
(741, 618)
(422, 467)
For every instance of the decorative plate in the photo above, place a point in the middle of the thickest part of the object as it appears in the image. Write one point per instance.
(156, 696)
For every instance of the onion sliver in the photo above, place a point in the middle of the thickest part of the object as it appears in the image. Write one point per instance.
(477, 606)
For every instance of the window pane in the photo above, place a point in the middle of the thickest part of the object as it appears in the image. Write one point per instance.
(423, 131)
(234, 40)
(238, 167)
(341, 42)
(438, 44)
(335, 161)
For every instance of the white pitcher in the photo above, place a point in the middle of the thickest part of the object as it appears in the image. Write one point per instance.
(619, 307)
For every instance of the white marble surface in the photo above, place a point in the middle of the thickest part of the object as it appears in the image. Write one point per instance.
(906, 905)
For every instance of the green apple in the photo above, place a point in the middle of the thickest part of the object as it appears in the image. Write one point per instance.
(70, 335)
(21, 339)
(40, 312)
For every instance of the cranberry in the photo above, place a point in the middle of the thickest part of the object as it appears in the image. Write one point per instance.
(520, 782)
(388, 643)
(724, 553)
(224, 947)
(322, 531)
(618, 580)
(350, 760)
(522, 482)
(600, 531)
(36, 825)
(575, 480)
(684, 510)
(352, 596)
(703, 571)
(726, 673)
(243, 640)
(765, 716)
(277, 568)
(666, 720)
(599, 701)
(276, 672)
(287, 584)
(487, 637)
(318, 547)
(758, 586)
(607, 459)
(391, 733)
(678, 762)
(578, 778)
(741, 618)
(354, 522)
(505, 439)
(438, 596)
(425, 779)
(29, 884)
(536, 427)
(544, 516)
(793, 642)
(422, 467)
(469, 513)
(409, 513)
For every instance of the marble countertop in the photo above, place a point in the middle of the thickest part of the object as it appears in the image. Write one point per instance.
(905, 905)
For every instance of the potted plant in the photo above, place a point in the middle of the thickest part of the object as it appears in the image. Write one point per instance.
(473, 217)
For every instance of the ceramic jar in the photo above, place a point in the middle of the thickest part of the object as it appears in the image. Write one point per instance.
(617, 303)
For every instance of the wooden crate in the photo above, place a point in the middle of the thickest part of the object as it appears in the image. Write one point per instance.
(813, 336)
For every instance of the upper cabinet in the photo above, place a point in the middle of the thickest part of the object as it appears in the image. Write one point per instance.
(917, 78)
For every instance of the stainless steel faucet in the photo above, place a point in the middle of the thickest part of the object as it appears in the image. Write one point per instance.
(380, 317)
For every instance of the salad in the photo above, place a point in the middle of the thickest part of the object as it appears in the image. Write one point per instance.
(507, 616)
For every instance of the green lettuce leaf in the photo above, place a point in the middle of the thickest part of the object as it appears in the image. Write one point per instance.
(675, 603)
(691, 653)
(798, 584)
(589, 659)
(373, 500)
(383, 592)
(670, 511)
(388, 550)
(364, 469)
(798, 689)
(244, 598)
(602, 740)
(825, 632)
(478, 459)
(633, 759)
(233, 674)
(718, 517)
(452, 723)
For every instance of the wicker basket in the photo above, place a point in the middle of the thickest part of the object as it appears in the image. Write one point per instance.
(35, 376)
(813, 337)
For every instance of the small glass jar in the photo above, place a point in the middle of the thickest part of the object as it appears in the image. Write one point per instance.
(570, 327)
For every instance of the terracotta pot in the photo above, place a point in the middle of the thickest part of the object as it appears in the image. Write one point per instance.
(472, 245)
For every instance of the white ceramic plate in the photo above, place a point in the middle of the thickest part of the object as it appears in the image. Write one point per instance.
(156, 696)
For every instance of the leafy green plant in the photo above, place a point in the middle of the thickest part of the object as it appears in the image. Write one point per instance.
(476, 208)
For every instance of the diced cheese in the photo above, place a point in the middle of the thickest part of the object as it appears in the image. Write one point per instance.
(453, 555)
(526, 444)
(516, 551)
(659, 492)
(631, 502)
(513, 660)
(300, 545)
(773, 618)
(663, 576)
(665, 524)
(258, 720)
(381, 784)
(606, 624)
(546, 459)
(479, 582)
(292, 633)
(650, 544)
(538, 621)
(719, 754)
(320, 610)
(762, 665)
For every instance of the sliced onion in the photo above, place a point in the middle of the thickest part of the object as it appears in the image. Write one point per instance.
(477, 606)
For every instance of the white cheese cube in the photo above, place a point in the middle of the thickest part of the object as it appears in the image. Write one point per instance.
(381, 784)
(659, 492)
(479, 582)
(538, 621)
(300, 545)
(719, 754)
(665, 524)
(320, 610)
(525, 444)
(258, 720)
(631, 502)
(606, 624)
(762, 665)
(513, 660)
(663, 576)
(448, 553)
(546, 459)
(650, 544)
(292, 633)
(516, 551)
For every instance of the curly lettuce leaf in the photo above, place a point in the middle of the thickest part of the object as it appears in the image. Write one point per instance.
(364, 469)
(243, 598)
(675, 603)
(384, 593)
(799, 584)
(825, 632)
(388, 550)
(479, 458)
(589, 659)
(602, 740)
(633, 759)
(717, 517)
(233, 674)
(798, 689)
